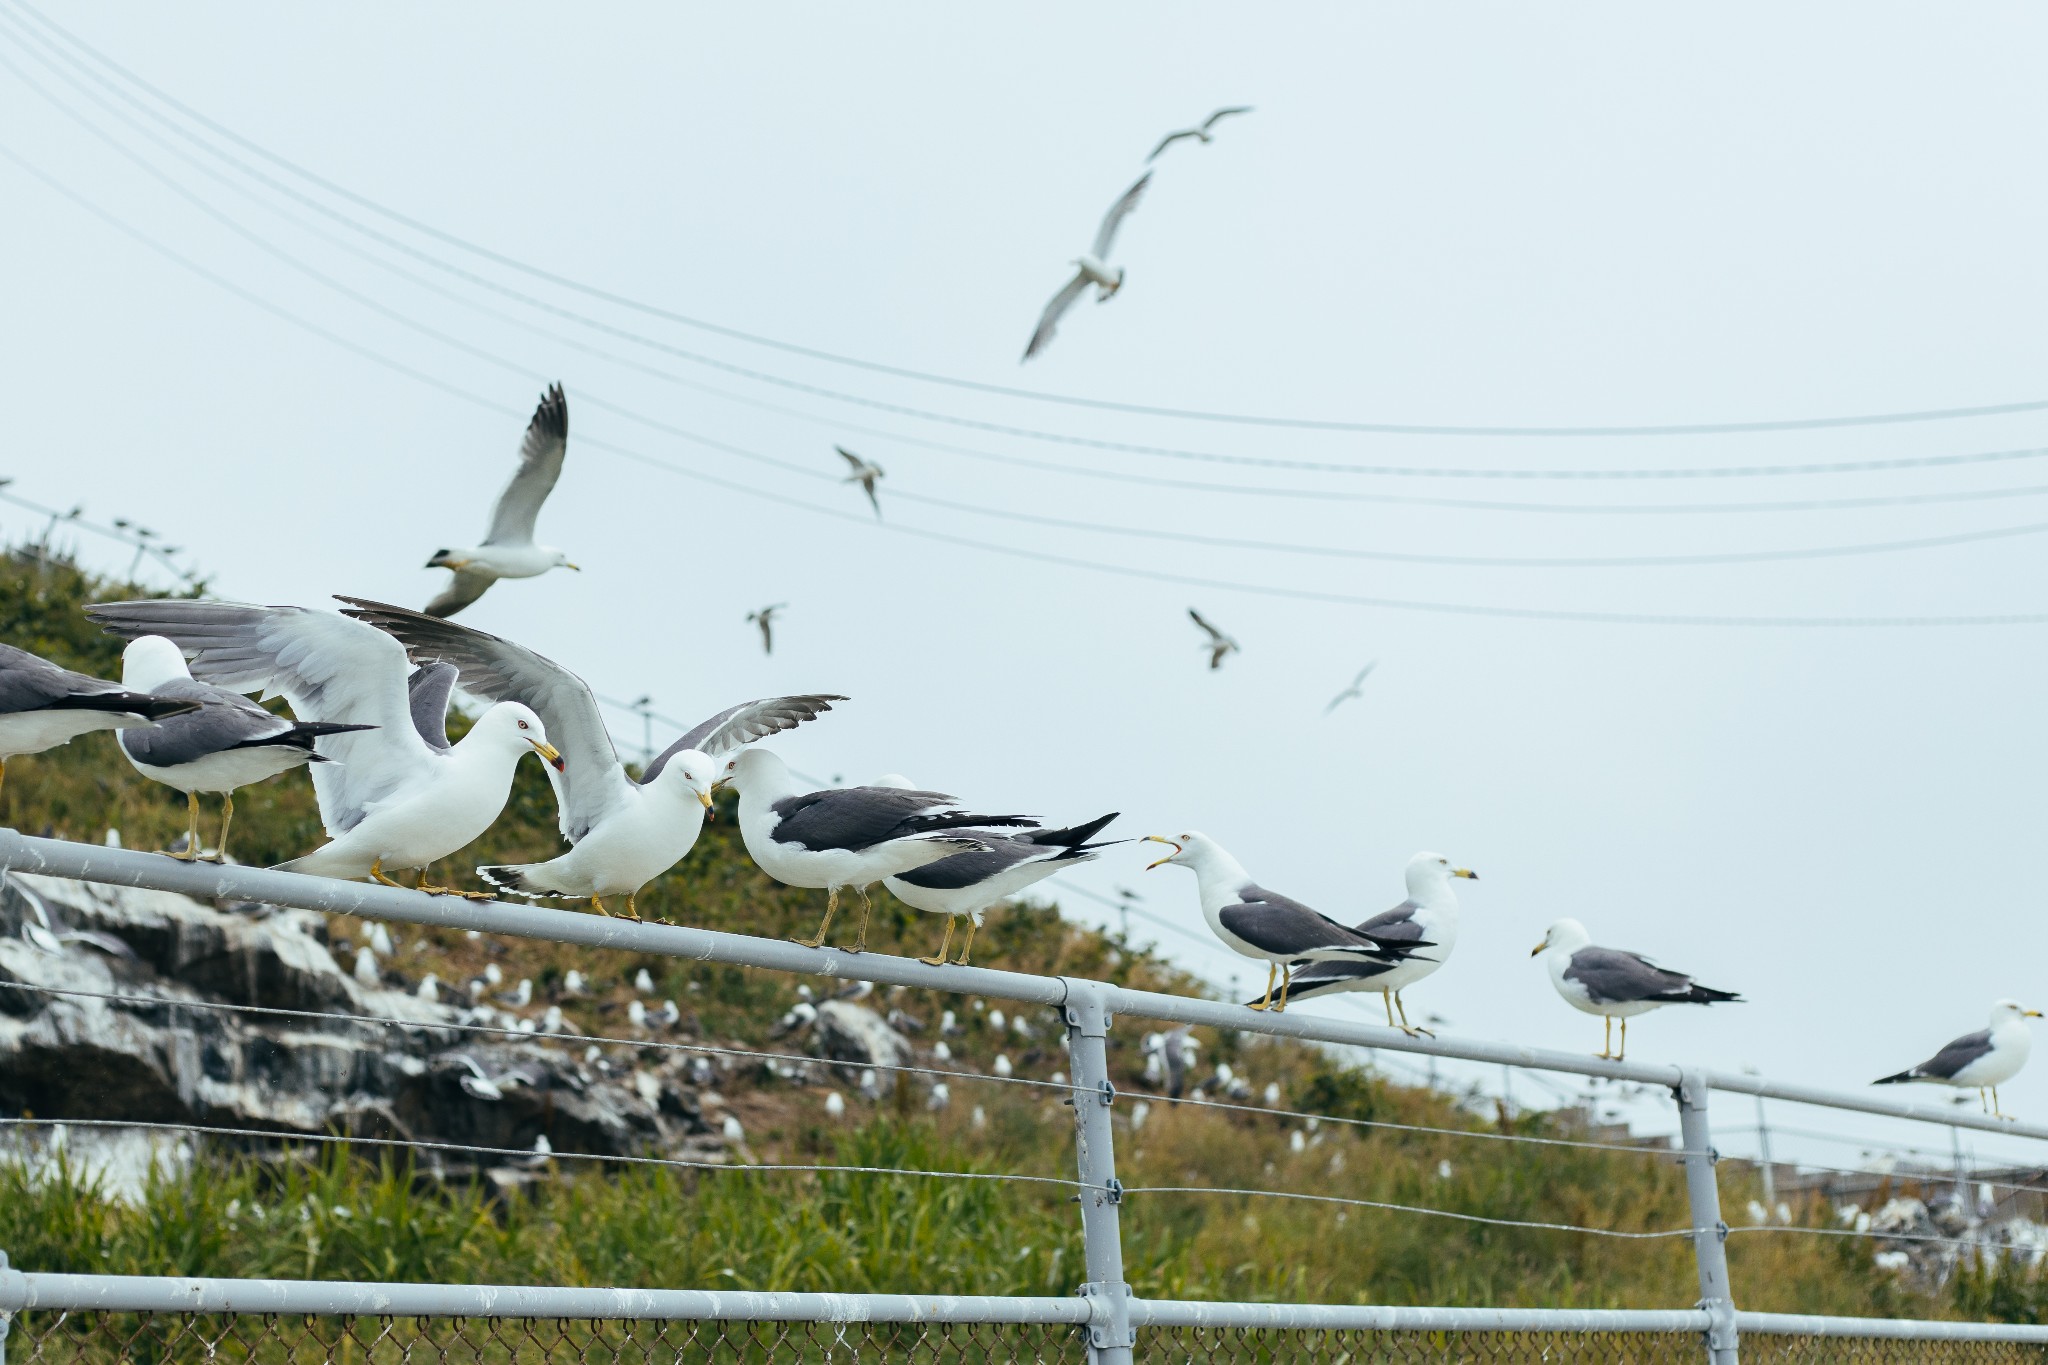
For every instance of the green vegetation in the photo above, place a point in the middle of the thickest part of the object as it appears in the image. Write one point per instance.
(326, 1213)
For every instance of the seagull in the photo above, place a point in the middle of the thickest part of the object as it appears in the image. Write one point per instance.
(965, 885)
(1264, 924)
(864, 473)
(1982, 1060)
(1355, 690)
(366, 972)
(225, 742)
(572, 982)
(1219, 645)
(643, 982)
(846, 836)
(1431, 912)
(480, 1084)
(765, 617)
(390, 799)
(1201, 134)
(835, 1105)
(45, 933)
(623, 832)
(1617, 984)
(429, 989)
(520, 996)
(508, 550)
(1090, 269)
(43, 706)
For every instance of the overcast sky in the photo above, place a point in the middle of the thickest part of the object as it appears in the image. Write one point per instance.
(1593, 215)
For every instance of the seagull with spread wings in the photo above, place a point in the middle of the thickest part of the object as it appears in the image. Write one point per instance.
(508, 550)
(1090, 269)
(1200, 134)
(623, 833)
(1353, 691)
(765, 619)
(1219, 645)
(865, 472)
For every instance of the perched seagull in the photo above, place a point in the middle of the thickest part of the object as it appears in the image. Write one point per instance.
(1200, 134)
(765, 617)
(1090, 269)
(642, 982)
(1355, 690)
(967, 884)
(623, 832)
(1219, 645)
(1617, 984)
(864, 473)
(1264, 924)
(366, 972)
(225, 742)
(572, 982)
(846, 836)
(1979, 1061)
(429, 989)
(1430, 912)
(835, 1105)
(508, 550)
(390, 799)
(520, 996)
(42, 705)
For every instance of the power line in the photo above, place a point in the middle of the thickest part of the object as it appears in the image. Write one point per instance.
(1407, 1208)
(1003, 390)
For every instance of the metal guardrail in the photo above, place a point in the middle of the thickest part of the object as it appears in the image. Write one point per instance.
(1105, 1308)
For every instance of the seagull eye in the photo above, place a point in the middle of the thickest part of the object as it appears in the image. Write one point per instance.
(523, 725)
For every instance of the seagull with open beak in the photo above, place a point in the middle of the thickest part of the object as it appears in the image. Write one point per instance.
(1263, 924)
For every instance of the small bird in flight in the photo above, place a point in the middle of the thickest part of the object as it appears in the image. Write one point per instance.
(1090, 269)
(1201, 134)
(1218, 643)
(508, 549)
(864, 474)
(1352, 691)
(765, 618)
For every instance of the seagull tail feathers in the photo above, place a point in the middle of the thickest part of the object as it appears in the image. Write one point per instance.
(514, 878)
(1899, 1078)
(1707, 995)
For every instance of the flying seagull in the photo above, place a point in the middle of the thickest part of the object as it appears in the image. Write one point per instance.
(1979, 1061)
(227, 742)
(42, 705)
(864, 473)
(1354, 690)
(1091, 269)
(765, 617)
(508, 550)
(46, 933)
(624, 833)
(1613, 983)
(1201, 134)
(1265, 924)
(1431, 912)
(847, 836)
(390, 799)
(1219, 645)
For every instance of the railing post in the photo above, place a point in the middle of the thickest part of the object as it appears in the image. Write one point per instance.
(1709, 1232)
(6, 1305)
(1110, 1334)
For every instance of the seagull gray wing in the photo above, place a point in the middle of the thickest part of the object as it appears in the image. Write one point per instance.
(1211, 121)
(972, 868)
(1274, 923)
(591, 783)
(1216, 636)
(1050, 318)
(428, 692)
(855, 462)
(1612, 976)
(31, 683)
(743, 724)
(856, 818)
(464, 588)
(1118, 211)
(1169, 140)
(1943, 1065)
(328, 667)
(224, 720)
(540, 464)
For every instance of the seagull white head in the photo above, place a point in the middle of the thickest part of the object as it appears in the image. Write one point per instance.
(691, 771)
(150, 661)
(751, 765)
(2008, 1011)
(1432, 873)
(513, 726)
(1189, 847)
(1565, 935)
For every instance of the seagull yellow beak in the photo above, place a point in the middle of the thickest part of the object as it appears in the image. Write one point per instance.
(567, 565)
(1538, 948)
(705, 797)
(1155, 839)
(548, 752)
(1465, 872)
(2032, 1014)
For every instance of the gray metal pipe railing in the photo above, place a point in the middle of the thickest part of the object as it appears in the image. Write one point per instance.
(1890, 1329)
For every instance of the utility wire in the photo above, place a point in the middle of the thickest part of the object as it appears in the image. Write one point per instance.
(1407, 1208)
(1000, 390)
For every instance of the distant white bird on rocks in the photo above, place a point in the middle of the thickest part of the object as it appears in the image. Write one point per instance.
(1430, 912)
(366, 972)
(43, 706)
(835, 1105)
(764, 618)
(508, 550)
(1357, 688)
(941, 1096)
(1219, 645)
(390, 800)
(572, 982)
(865, 473)
(1979, 1061)
(643, 982)
(732, 1129)
(624, 832)
(845, 836)
(520, 996)
(1091, 268)
(1613, 983)
(494, 975)
(554, 1021)
(1002, 1066)
(1201, 132)
(1266, 925)
(226, 741)
(380, 940)
(636, 1014)
(480, 1084)
(429, 989)
(667, 1016)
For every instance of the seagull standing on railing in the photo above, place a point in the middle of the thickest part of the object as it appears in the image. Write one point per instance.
(623, 832)
(43, 706)
(1091, 268)
(1430, 912)
(1979, 1061)
(1613, 983)
(508, 550)
(390, 799)
(1266, 925)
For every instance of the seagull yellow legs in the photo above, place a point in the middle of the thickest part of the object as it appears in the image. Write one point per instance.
(967, 945)
(227, 817)
(1286, 979)
(597, 904)
(831, 909)
(867, 910)
(191, 853)
(1607, 1051)
(938, 959)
